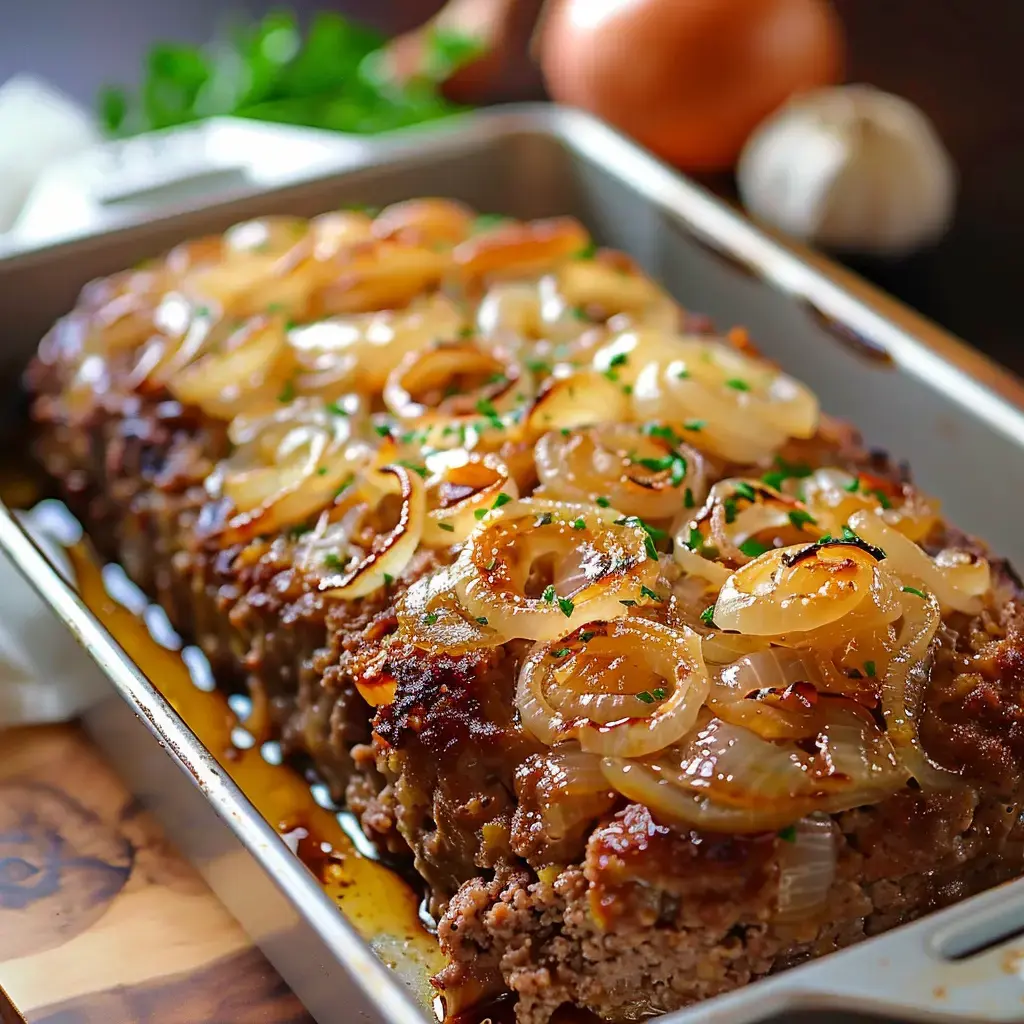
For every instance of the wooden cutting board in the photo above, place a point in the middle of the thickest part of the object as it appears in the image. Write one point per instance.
(101, 921)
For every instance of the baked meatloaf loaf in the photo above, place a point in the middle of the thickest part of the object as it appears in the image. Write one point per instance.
(659, 680)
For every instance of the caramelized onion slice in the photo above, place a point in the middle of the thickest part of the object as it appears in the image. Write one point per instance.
(576, 400)
(536, 569)
(958, 579)
(610, 285)
(430, 616)
(724, 778)
(515, 249)
(459, 485)
(807, 868)
(626, 688)
(794, 592)
(747, 408)
(389, 552)
(429, 222)
(287, 467)
(365, 348)
(646, 472)
(528, 311)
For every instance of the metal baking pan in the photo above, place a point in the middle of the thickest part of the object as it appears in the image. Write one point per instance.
(913, 389)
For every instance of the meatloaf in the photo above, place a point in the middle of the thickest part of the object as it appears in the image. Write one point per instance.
(656, 677)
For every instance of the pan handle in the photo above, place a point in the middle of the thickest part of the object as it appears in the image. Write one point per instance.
(116, 184)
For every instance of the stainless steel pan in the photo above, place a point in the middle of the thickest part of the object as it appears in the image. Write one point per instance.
(912, 389)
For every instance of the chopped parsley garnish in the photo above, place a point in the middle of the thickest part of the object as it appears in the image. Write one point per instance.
(628, 602)
(544, 519)
(788, 834)
(336, 409)
(588, 252)
(683, 373)
(579, 524)
(587, 637)
(603, 501)
(627, 389)
(465, 332)
(345, 484)
(619, 359)
(688, 501)
(415, 467)
(549, 594)
(498, 378)
(853, 486)
(708, 615)
(486, 408)
(752, 548)
(488, 221)
(447, 527)
(298, 531)
(538, 366)
(501, 499)
(480, 513)
(579, 313)
(799, 518)
(737, 385)
(567, 605)
(882, 499)
(783, 471)
(729, 504)
(482, 620)
(611, 375)
(913, 590)
(652, 594)
(276, 307)
(694, 425)
(656, 465)
(332, 561)
(560, 653)
(491, 564)
(849, 535)
(382, 430)
(696, 539)
(322, 471)
(869, 669)
(646, 696)
(667, 434)
(287, 393)
(430, 618)
(744, 490)
(388, 579)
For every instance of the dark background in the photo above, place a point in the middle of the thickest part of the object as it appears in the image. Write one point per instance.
(961, 60)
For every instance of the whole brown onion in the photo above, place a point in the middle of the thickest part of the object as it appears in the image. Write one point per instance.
(690, 79)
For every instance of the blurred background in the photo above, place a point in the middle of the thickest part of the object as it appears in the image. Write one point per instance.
(958, 61)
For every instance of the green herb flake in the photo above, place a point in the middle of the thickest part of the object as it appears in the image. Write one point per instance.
(628, 602)
(447, 527)
(682, 374)
(752, 548)
(619, 359)
(787, 834)
(479, 513)
(744, 490)
(465, 332)
(544, 519)
(382, 430)
(586, 637)
(655, 465)
(694, 425)
(883, 500)
(627, 389)
(430, 618)
(688, 500)
(549, 594)
(869, 669)
(388, 579)
(414, 467)
(913, 590)
(482, 620)
(488, 222)
(579, 524)
(566, 605)
(560, 653)
(853, 486)
(800, 518)
(737, 384)
(652, 594)
(603, 502)
(501, 499)
(695, 540)
(611, 375)
(345, 485)
(298, 531)
(729, 504)
(579, 313)
(708, 615)
(491, 564)
(646, 696)
(332, 561)
(538, 366)
(336, 409)
(287, 393)
(588, 252)
(322, 471)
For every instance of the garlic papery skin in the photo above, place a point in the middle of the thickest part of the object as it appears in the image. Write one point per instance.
(850, 168)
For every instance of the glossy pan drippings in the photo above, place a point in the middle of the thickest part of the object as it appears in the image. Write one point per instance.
(659, 680)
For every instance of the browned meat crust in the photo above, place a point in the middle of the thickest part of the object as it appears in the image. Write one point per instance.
(621, 915)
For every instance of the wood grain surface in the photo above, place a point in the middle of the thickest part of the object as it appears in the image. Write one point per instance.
(101, 921)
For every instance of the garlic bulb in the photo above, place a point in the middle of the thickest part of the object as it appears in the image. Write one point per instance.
(850, 168)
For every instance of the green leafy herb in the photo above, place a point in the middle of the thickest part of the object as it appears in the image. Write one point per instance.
(447, 527)
(579, 523)
(287, 393)
(322, 471)
(566, 605)
(788, 834)
(544, 519)
(753, 547)
(430, 618)
(482, 620)
(708, 615)
(883, 500)
(332, 561)
(853, 486)
(382, 430)
(744, 490)
(694, 425)
(619, 359)
(579, 313)
(414, 466)
(799, 518)
(538, 366)
(683, 373)
(913, 590)
(549, 594)
(655, 465)
(588, 252)
(560, 653)
(729, 504)
(869, 669)
(603, 501)
(586, 637)
(488, 221)
(737, 385)
(345, 484)
(388, 579)
(783, 471)
(628, 602)
(336, 409)
(652, 594)
(501, 499)
(646, 696)
(695, 540)
(688, 501)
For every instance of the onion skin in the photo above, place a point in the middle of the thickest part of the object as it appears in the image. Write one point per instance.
(690, 80)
